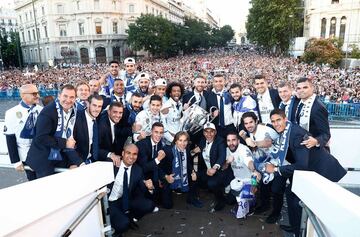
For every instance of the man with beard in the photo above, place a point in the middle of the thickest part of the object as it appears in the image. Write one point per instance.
(198, 95)
(86, 132)
(107, 81)
(112, 136)
(132, 109)
(172, 110)
(129, 75)
(296, 156)
(143, 83)
(159, 89)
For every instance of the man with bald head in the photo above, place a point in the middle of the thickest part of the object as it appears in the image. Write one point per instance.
(19, 127)
(127, 193)
(94, 86)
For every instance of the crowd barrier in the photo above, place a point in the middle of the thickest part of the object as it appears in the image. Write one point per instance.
(336, 111)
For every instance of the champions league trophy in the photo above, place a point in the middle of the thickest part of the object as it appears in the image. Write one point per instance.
(195, 117)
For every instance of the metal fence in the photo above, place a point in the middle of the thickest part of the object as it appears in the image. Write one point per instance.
(344, 112)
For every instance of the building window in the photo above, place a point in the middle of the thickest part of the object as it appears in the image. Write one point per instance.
(26, 17)
(334, 1)
(62, 30)
(34, 34)
(38, 33)
(29, 35)
(23, 36)
(20, 19)
(98, 28)
(81, 29)
(96, 4)
(323, 28)
(43, 10)
(31, 16)
(342, 28)
(45, 31)
(115, 27)
(147, 9)
(114, 4)
(131, 8)
(10, 22)
(78, 5)
(332, 27)
(60, 8)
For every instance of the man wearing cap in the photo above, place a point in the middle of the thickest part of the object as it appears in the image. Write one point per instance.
(129, 75)
(107, 81)
(159, 89)
(142, 81)
(19, 127)
(212, 153)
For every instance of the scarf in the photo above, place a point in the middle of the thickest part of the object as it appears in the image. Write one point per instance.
(107, 88)
(62, 130)
(179, 169)
(278, 152)
(28, 131)
(129, 83)
(80, 104)
(306, 112)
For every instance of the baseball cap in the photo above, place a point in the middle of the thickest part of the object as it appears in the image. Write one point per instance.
(160, 82)
(129, 61)
(209, 125)
(142, 75)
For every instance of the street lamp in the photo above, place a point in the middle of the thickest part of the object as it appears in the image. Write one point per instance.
(37, 33)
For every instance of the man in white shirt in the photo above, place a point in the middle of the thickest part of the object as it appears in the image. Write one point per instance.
(266, 99)
(127, 193)
(19, 127)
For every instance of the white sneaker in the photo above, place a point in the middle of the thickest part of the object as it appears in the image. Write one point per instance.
(156, 209)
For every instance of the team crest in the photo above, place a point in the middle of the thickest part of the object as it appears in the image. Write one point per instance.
(19, 115)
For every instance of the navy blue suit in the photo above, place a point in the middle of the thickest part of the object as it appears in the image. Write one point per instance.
(211, 101)
(106, 144)
(153, 171)
(275, 99)
(44, 140)
(319, 124)
(316, 159)
(139, 205)
(219, 180)
(186, 97)
(81, 136)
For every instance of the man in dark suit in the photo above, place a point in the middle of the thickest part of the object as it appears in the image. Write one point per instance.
(86, 132)
(212, 156)
(47, 148)
(151, 154)
(312, 115)
(289, 102)
(112, 136)
(219, 105)
(127, 193)
(266, 99)
(300, 157)
(197, 96)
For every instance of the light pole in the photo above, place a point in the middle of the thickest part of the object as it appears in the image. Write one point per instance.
(37, 34)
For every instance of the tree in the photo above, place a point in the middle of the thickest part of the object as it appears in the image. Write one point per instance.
(10, 51)
(322, 51)
(221, 36)
(198, 34)
(274, 23)
(152, 33)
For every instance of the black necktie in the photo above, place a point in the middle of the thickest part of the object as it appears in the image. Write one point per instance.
(95, 141)
(298, 112)
(125, 196)
(156, 171)
(177, 106)
(282, 106)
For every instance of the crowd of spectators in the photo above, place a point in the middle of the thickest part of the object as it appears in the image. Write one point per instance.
(333, 85)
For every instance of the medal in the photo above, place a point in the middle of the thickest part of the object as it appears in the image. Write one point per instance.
(19, 115)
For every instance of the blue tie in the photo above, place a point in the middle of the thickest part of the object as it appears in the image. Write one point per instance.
(95, 141)
(221, 119)
(156, 171)
(125, 196)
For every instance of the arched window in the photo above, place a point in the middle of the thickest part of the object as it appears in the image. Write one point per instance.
(332, 27)
(323, 28)
(342, 28)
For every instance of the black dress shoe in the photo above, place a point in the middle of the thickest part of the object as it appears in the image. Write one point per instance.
(272, 219)
(219, 206)
(261, 209)
(287, 228)
(133, 225)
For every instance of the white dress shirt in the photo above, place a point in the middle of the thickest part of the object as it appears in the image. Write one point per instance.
(265, 106)
(117, 190)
